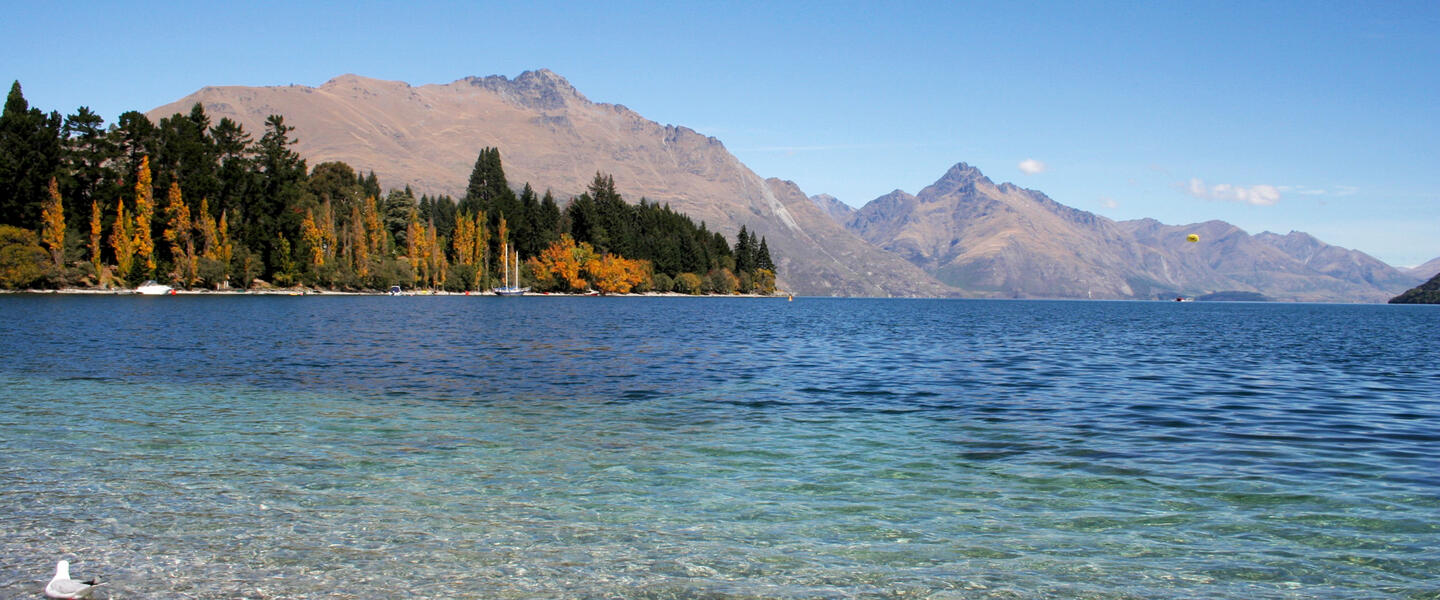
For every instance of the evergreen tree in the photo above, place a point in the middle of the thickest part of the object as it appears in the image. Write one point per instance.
(371, 185)
(527, 223)
(281, 172)
(133, 137)
(762, 260)
(87, 155)
(184, 153)
(744, 252)
(548, 222)
(396, 213)
(235, 176)
(29, 157)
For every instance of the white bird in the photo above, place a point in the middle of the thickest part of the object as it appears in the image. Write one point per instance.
(62, 586)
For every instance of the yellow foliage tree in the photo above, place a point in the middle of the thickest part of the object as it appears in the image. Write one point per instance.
(374, 228)
(481, 251)
(436, 255)
(412, 245)
(359, 250)
(558, 266)
(209, 232)
(122, 240)
(144, 213)
(181, 237)
(96, 234)
(314, 238)
(222, 235)
(613, 274)
(764, 281)
(689, 283)
(463, 242)
(53, 218)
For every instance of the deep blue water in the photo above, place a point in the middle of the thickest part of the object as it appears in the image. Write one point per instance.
(466, 447)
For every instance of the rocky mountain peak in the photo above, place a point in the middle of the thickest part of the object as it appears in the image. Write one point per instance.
(541, 89)
(832, 206)
(959, 177)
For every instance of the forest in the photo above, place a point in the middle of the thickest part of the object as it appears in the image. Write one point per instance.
(202, 205)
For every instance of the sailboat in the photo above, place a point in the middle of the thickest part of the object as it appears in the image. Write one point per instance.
(509, 289)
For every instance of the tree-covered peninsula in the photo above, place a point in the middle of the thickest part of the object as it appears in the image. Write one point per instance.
(1425, 293)
(204, 205)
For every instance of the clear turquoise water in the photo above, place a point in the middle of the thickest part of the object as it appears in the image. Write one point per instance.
(249, 447)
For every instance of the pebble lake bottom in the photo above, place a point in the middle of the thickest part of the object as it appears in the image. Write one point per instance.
(466, 447)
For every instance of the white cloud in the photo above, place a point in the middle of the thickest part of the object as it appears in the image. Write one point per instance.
(1255, 195)
(1031, 166)
(1109, 202)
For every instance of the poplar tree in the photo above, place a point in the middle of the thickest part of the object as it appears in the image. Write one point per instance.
(52, 234)
(95, 237)
(209, 233)
(144, 213)
(122, 241)
(180, 234)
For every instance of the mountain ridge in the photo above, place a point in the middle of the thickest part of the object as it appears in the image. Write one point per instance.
(553, 137)
(1005, 240)
(962, 235)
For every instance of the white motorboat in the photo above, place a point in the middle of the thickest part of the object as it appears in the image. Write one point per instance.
(151, 288)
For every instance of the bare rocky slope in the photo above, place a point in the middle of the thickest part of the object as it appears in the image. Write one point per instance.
(1003, 240)
(555, 138)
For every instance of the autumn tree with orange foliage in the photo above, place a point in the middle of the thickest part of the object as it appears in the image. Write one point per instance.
(180, 235)
(122, 241)
(557, 268)
(314, 239)
(96, 234)
(613, 274)
(144, 244)
(52, 217)
(471, 244)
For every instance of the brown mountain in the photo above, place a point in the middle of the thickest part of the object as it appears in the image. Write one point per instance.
(553, 137)
(1002, 240)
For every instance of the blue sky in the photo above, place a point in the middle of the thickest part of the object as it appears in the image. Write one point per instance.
(1312, 116)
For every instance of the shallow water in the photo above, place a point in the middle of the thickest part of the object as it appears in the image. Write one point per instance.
(359, 447)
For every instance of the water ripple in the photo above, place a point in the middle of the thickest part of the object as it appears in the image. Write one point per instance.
(710, 448)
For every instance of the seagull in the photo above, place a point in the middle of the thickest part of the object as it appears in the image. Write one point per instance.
(62, 586)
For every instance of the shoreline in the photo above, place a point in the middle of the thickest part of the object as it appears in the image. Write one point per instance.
(318, 292)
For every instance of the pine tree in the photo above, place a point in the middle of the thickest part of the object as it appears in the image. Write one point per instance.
(29, 157)
(762, 260)
(744, 251)
(87, 156)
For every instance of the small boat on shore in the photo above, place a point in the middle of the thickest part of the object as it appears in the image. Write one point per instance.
(151, 288)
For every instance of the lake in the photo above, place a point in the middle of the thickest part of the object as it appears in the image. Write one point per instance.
(481, 447)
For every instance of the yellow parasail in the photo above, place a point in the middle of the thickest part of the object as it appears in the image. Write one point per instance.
(1192, 238)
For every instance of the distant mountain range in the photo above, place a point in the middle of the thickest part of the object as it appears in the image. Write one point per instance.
(961, 236)
(1427, 270)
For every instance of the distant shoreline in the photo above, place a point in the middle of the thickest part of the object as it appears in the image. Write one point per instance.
(315, 292)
